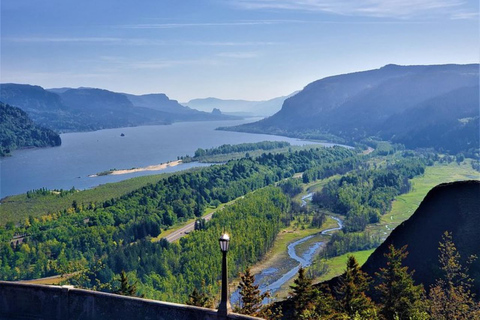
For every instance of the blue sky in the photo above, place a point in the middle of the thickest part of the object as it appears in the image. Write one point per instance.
(231, 49)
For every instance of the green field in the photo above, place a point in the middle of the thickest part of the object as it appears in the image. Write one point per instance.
(406, 204)
(336, 265)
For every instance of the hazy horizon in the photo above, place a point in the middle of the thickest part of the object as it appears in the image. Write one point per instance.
(239, 49)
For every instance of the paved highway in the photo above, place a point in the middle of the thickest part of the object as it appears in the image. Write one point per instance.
(183, 231)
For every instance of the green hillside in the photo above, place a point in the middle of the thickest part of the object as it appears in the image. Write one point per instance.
(453, 207)
(17, 130)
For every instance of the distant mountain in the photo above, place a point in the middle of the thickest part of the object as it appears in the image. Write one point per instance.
(244, 107)
(160, 102)
(453, 207)
(84, 109)
(439, 103)
(178, 112)
(17, 130)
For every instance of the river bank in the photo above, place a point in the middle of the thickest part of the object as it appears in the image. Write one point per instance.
(85, 153)
(156, 167)
(280, 266)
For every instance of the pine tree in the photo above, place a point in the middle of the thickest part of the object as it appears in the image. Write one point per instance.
(251, 299)
(401, 298)
(126, 289)
(351, 291)
(450, 297)
(302, 295)
(200, 298)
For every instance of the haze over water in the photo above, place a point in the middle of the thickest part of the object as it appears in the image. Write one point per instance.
(85, 153)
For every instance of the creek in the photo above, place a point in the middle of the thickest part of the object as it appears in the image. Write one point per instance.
(273, 278)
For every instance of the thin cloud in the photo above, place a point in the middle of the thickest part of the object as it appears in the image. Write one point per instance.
(230, 43)
(122, 63)
(65, 39)
(372, 8)
(33, 77)
(238, 55)
(465, 15)
(208, 24)
(137, 41)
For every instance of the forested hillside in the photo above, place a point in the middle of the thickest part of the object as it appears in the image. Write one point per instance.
(419, 106)
(78, 236)
(86, 109)
(17, 130)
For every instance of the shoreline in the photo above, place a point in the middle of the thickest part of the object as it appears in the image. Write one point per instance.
(156, 167)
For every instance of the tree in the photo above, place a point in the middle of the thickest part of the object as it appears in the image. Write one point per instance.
(200, 298)
(251, 299)
(353, 284)
(126, 289)
(302, 295)
(401, 298)
(450, 296)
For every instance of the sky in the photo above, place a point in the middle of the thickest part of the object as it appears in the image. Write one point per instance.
(229, 49)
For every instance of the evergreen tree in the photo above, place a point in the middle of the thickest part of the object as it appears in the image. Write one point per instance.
(401, 298)
(351, 291)
(251, 299)
(450, 297)
(302, 295)
(200, 298)
(126, 289)
(324, 303)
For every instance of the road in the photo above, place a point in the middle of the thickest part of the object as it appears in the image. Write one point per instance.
(183, 231)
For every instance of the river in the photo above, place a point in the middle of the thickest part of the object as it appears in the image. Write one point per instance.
(273, 278)
(85, 153)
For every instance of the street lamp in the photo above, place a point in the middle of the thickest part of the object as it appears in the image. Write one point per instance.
(224, 308)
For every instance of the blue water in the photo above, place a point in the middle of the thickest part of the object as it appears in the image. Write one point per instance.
(86, 153)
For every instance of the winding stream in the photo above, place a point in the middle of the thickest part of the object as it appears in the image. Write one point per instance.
(305, 198)
(273, 278)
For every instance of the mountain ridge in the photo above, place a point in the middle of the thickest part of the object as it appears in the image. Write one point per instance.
(238, 106)
(354, 106)
(86, 109)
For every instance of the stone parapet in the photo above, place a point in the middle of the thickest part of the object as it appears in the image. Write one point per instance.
(31, 301)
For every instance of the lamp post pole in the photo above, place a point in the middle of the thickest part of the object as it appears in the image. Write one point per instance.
(224, 308)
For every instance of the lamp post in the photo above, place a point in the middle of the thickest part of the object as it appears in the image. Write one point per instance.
(224, 308)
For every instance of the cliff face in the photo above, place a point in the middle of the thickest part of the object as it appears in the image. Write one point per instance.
(436, 102)
(453, 207)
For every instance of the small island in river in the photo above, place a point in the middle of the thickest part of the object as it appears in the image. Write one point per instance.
(156, 167)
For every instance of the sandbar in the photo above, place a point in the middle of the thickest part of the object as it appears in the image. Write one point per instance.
(156, 167)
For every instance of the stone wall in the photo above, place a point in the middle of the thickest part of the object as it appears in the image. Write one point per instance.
(30, 301)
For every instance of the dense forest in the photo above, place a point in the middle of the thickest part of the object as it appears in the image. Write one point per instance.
(75, 237)
(170, 272)
(227, 151)
(118, 238)
(242, 147)
(17, 130)
(363, 195)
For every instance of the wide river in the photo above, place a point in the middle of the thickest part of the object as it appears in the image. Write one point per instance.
(85, 153)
